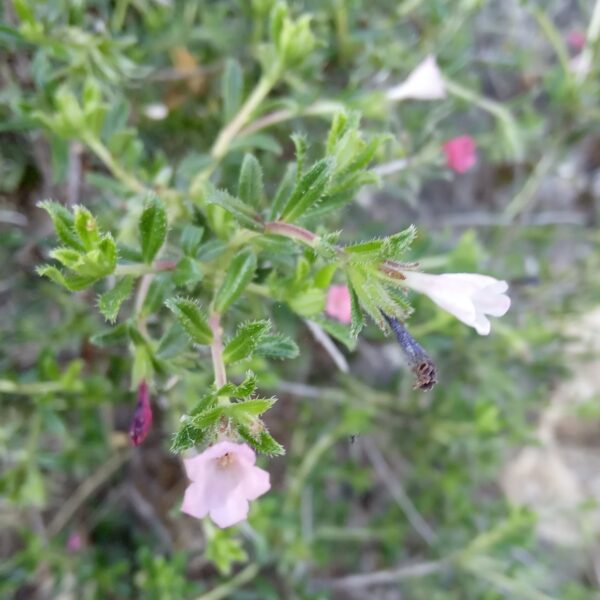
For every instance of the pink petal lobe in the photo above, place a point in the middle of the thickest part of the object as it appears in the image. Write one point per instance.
(256, 483)
(339, 304)
(194, 503)
(233, 511)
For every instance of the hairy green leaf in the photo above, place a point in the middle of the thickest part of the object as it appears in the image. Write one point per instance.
(309, 190)
(241, 212)
(63, 224)
(278, 346)
(191, 318)
(110, 301)
(239, 274)
(250, 186)
(245, 341)
(152, 228)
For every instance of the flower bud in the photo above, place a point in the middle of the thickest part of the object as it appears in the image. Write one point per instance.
(418, 360)
(142, 417)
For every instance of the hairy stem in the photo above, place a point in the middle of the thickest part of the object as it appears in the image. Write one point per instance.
(216, 349)
(294, 232)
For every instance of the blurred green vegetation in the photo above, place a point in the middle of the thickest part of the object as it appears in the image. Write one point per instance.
(380, 482)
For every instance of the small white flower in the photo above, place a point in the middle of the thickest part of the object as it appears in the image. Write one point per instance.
(424, 83)
(156, 111)
(470, 297)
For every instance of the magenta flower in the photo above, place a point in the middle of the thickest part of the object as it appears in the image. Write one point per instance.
(460, 153)
(224, 479)
(142, 417)
(339, 305)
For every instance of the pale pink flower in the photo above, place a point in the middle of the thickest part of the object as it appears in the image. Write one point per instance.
(339, 305)
(470, 297)
(461, 153)
(425, 82)
(576, 39)
(74, 542)
(142, 417)
(224, 479)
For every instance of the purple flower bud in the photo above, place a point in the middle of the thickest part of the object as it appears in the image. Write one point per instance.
(142, 417)
(418, 360)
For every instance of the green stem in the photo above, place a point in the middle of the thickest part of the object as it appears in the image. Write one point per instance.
(232, 129)
(225, 590)
(496, 109)
(554, 38)
(142, 269)
(103, 153)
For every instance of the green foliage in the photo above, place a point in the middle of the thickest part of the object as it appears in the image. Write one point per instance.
(152, 228)
(239, 274)
(309, 190)
(191, 317)
(110, 301)
(245, 341)
(90, 255)
(250, 185)
(237, 125)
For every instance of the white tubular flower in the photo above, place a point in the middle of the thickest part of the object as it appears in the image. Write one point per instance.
(470, 297)
(424, 83)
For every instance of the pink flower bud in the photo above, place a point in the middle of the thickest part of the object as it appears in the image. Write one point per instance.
(224, 478)
(576, 39)
(339, 305)
(142, 417)
(74, 542)
(460, 153)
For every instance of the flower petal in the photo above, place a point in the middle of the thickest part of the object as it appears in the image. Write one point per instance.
(234, 510)
(194, 501)
(195, 467)
(256, 483)
(496, 305)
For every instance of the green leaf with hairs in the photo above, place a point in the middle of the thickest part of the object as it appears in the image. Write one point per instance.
(240, 273)
(250, 186)
(245, 341)
(152, 228)
(244, 214)
(63, 222)
(278, 346)
(191, 317)
(309, 190)
(110, 301)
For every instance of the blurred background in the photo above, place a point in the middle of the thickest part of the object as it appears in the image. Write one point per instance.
(485, 488)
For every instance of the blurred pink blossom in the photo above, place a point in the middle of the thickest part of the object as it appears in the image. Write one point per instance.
(470, 297)
(339, 305)
(142, 417)
(425, 82)
(576, 39)
(224, 478)
(74, 542)
(461, 153)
